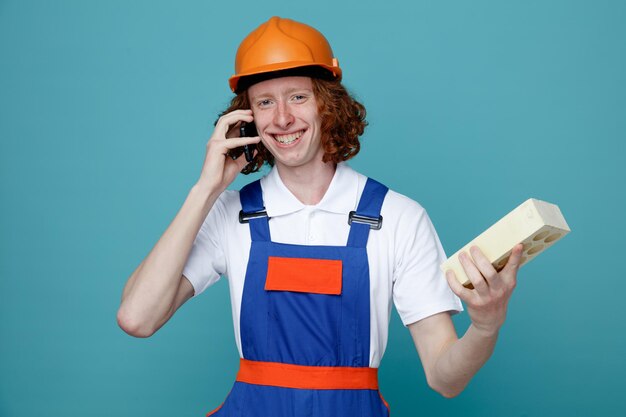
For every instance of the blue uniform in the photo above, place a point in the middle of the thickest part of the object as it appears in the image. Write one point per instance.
(306, 335)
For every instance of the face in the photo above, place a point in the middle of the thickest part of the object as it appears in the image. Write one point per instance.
(286, 117)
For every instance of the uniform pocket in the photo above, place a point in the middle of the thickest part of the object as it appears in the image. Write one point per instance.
(314, 276)
(304, 310)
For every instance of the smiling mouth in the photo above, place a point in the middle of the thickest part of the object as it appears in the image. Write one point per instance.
(289, 138)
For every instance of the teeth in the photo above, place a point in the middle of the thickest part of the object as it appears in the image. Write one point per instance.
(287, 139)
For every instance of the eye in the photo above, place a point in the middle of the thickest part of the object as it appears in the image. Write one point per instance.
(264, 103)
(299, 97)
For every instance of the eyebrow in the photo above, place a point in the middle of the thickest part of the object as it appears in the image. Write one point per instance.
(288, 91)
(291, 90)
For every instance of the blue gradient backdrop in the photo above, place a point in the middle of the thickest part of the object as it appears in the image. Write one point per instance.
(105, 110)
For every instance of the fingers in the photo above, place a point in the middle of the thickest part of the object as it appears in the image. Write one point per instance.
(456, 287)
(486, 268)
(509, 272)
(484, 276)
(474, 275)
(516, 257)
(226, 135)
(239, 162)
(219, 169)
(237, 142)
(487, 304)
(225, 122)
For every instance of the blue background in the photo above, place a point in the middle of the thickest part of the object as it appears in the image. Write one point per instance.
(105, 110)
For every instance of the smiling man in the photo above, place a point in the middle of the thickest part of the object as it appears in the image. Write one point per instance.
(315, 253)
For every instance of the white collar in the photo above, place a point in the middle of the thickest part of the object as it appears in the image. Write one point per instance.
(341, 196)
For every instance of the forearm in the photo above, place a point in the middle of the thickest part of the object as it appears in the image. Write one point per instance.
(460, 360)
(148, 296)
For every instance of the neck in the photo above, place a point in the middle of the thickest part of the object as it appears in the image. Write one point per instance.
(308, 184)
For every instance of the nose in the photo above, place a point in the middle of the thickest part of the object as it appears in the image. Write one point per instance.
(283, 118)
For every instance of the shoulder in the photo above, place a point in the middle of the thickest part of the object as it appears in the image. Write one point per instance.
(226, 206)
(401, 205)
(402, 213)
(395, 203)
(406, 219)
(229, 199)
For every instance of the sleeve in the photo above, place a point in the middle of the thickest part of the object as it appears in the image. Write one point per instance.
(206, 261)
(419, 287)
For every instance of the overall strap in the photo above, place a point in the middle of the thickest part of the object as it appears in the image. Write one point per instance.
(253, 211)
(367, 215)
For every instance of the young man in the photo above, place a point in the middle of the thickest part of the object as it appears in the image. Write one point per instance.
(314, 252)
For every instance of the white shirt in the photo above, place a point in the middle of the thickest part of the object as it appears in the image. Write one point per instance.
(404, 256)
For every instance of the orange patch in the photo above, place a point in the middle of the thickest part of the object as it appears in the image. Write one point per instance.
(317, 276)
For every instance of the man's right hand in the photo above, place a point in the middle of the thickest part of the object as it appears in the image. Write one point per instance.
(219, 170)
(157, 288)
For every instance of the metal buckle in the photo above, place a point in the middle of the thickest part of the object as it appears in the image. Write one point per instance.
(374, 222)
(246, 217)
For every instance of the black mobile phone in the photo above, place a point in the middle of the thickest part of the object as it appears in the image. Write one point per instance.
(245, 130)
(248, 130)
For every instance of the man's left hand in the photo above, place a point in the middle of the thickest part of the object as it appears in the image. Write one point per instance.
(487, 302)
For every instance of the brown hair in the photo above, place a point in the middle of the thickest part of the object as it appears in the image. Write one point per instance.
(343, 121)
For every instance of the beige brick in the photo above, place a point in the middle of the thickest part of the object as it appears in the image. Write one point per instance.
(535, 223)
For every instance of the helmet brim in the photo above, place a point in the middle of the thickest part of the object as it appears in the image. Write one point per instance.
(243, 81)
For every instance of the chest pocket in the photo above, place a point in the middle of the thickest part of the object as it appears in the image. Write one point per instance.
(304, 310)
(305, 275)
